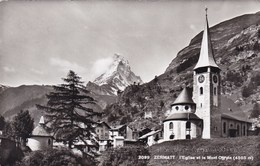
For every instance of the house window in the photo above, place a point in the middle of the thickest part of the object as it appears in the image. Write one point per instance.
(170, 125)
(188, 125)
(201, 91)
(224, 127)
(188, 136)
(244, 128)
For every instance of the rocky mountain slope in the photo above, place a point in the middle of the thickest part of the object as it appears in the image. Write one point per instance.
(116, 78)
(2, 88)
(236, 44)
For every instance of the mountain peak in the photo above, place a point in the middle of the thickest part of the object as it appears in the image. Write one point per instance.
(118, 75)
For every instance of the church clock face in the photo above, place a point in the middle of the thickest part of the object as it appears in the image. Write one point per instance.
(215, 79)
(201, 78)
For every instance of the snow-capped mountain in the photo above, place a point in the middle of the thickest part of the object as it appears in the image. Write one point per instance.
(118, 76)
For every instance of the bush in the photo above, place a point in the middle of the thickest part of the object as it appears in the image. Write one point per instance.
(247, 91)
(54, 157)
(127, 155)
(256, 79)
(255, 112)
(234, 77)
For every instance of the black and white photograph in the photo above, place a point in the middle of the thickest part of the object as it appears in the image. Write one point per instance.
(129, 83)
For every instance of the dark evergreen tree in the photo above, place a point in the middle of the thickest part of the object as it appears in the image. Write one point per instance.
(255, 113)
(8, 130)
(2, 122)
(69, 114)
(23, 125)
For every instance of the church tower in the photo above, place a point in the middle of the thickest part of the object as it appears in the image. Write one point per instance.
(206, 88)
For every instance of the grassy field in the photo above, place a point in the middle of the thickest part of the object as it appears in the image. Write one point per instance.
(243, 151)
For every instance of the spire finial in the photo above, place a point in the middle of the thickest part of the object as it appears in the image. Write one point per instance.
(206, 10)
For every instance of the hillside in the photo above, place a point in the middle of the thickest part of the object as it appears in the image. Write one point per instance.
(13, 99)
(237, 52)
(238, 151)
(25, 97)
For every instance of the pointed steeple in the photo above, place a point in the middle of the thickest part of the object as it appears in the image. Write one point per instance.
(184, 98)
(206, 58)
(42, 121)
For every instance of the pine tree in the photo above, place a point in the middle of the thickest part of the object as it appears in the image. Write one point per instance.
(2, 122)
(23, 125)
(68, 113)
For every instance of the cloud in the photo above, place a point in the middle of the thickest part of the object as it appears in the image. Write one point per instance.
(36, 71)
(65, 65)
(101, 65)
(9, 69)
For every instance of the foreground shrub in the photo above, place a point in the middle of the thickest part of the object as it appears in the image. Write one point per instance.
(54, 157)
(125, 156)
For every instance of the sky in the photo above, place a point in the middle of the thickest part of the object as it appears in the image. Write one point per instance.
(40, 41)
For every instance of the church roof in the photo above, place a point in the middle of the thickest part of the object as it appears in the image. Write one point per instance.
(206, 57)
(182, 116)
(40, 131)
(184, 98)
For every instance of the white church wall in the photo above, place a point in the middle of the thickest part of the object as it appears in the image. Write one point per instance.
(40, 143)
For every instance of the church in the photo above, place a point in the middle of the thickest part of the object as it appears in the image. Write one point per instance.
(205, 113)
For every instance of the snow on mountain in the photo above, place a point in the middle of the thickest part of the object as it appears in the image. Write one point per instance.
(119, 75)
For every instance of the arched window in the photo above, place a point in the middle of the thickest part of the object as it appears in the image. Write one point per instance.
(49, 141)
(186, 107)
(170, 125)
(172, 136)
(244, 128)
(201, 91)
(188, 136)
(215, 91)
(224, 127)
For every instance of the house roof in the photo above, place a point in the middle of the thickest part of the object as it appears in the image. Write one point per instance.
(206, 58)
(104, 123)
(40, 129)
(182, 116)
(117, 127)
(184, 98)
(230, 110)
(149, 134)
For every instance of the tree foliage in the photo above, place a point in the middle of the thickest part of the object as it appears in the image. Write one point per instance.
(69, 114)
(54, 157)
(255, 113)
(8, 130)
(2, 122)
(23, 125)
